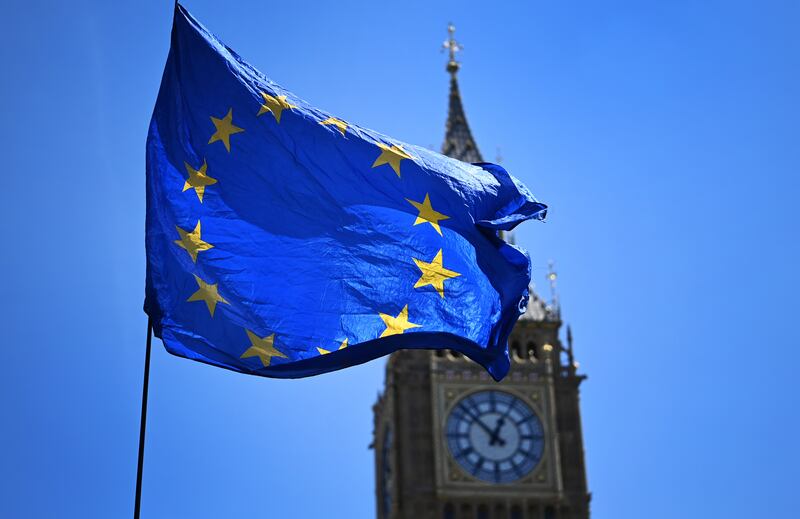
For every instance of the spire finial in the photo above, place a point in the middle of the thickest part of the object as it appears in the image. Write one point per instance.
(452, 46)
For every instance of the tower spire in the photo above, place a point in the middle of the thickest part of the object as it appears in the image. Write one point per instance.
(458, 141)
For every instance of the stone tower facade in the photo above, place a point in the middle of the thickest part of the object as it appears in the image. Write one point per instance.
(450, 443)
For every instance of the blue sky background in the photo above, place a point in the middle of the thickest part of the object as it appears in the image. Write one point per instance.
(664, 136)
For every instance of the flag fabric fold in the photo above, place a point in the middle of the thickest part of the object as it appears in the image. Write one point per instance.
(284, 241)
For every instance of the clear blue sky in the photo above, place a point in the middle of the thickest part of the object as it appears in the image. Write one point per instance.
(664, 136)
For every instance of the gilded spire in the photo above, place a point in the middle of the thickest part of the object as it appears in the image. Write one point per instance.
(458, 141)
(452, 46)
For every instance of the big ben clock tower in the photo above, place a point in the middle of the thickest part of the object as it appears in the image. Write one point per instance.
(450, 443)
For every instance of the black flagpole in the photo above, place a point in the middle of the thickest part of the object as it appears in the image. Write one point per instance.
(143, 422)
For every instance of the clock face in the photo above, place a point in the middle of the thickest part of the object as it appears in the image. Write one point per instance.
(495, 436)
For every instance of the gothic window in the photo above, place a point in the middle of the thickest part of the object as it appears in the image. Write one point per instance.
(532, 352)
(515, 349)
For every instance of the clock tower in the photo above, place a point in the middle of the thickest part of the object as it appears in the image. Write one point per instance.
(450, 443)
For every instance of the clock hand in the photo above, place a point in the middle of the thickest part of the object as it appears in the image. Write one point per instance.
(495, 436)
(477, 419)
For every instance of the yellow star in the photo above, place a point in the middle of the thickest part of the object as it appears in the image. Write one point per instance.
(323, 351)
(262, 347)
(397, 325)
(391, 155)
(434, 273)
(225, 128)
(274, 105)
(192, 242)
(208, 293)
(427, 214)
(335, 122)
(198, 179)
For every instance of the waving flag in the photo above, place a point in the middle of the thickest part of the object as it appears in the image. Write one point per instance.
(284, 241)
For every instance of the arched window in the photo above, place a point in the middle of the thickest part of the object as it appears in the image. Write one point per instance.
(549, 513)
(532, 352)
(516, 512)
(483, 512)
(449, 511)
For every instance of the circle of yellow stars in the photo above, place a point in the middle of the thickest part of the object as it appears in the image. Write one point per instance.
(432, 273)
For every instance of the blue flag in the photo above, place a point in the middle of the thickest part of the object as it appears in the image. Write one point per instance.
(285, 241)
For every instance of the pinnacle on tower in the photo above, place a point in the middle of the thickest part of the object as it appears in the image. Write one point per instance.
(458, 141)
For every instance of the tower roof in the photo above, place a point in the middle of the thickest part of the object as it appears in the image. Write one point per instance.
(458, 141)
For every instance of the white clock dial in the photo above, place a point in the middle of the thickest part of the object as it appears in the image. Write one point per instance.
(495, 436)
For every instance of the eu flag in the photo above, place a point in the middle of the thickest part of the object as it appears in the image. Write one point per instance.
(285, 241)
